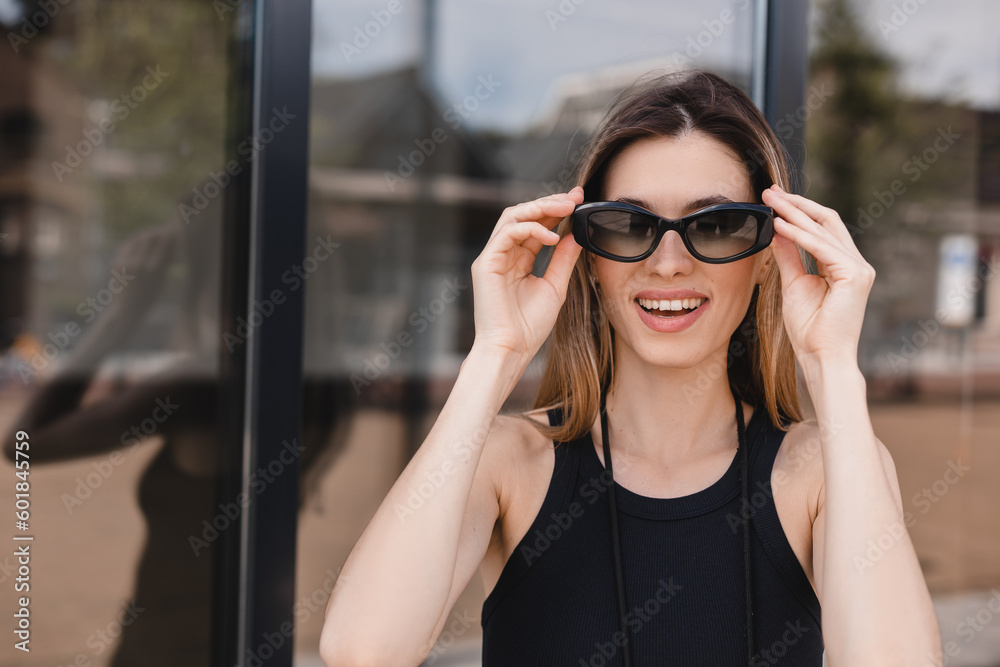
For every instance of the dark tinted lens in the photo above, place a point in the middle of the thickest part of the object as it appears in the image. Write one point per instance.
(723, 234)
(621, 233)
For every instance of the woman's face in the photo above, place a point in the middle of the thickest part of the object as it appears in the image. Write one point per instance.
(673, 176)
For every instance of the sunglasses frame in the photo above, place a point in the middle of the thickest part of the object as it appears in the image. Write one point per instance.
(763, 214)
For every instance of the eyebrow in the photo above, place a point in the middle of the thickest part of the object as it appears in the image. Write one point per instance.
(692, 205)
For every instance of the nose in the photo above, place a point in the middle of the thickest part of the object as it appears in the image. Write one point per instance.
(670, 258)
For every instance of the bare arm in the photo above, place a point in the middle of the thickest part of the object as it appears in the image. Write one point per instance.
(430, 533)
(876, 606)
(61, 429)
(397, 585)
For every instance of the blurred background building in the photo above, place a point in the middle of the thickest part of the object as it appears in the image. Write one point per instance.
(146, 231)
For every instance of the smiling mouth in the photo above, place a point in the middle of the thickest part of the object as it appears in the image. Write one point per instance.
(668, 308)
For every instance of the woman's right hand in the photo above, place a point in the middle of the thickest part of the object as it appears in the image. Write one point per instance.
(515, 310)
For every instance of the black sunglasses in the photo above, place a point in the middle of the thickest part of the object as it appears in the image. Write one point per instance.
(716, 234)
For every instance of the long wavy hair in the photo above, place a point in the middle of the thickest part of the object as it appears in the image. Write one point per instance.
(580, 359)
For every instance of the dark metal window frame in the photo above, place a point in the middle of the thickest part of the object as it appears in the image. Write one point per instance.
(264, 236)
(785, 51)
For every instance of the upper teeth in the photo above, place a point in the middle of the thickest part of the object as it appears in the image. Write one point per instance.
(671, 304)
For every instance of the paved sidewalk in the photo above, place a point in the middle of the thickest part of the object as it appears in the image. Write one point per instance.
(970, 628)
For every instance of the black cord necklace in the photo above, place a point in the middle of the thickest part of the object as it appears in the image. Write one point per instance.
(619, 578)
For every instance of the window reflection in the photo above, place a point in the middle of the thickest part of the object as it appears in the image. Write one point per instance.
(110, 113)
(902, 141)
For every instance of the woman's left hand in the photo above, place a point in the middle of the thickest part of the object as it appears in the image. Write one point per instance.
(822, 313)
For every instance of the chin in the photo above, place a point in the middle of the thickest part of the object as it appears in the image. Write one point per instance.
(671, 355)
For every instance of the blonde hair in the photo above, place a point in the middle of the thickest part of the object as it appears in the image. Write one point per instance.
(580, 364)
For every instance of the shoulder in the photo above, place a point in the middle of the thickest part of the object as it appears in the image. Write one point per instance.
(799, 462)
(514, 436)
(516, 453)
(800, 458)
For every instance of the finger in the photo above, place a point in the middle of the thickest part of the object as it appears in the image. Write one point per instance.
(786, 256)
(547, 211)
(534, 246)
(823, 250)
(794, 215)
(518, 233)
(518, 209)
(576, 194)
(561, 265)
(825, 216)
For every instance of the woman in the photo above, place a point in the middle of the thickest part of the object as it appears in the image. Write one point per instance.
(722, 521)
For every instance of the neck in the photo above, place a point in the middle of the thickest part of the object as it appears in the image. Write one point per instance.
(669, 416)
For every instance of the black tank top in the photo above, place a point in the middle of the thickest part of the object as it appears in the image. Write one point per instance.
(555, 602)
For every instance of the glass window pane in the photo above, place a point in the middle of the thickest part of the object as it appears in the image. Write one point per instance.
(903, 140)
(112, 122)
